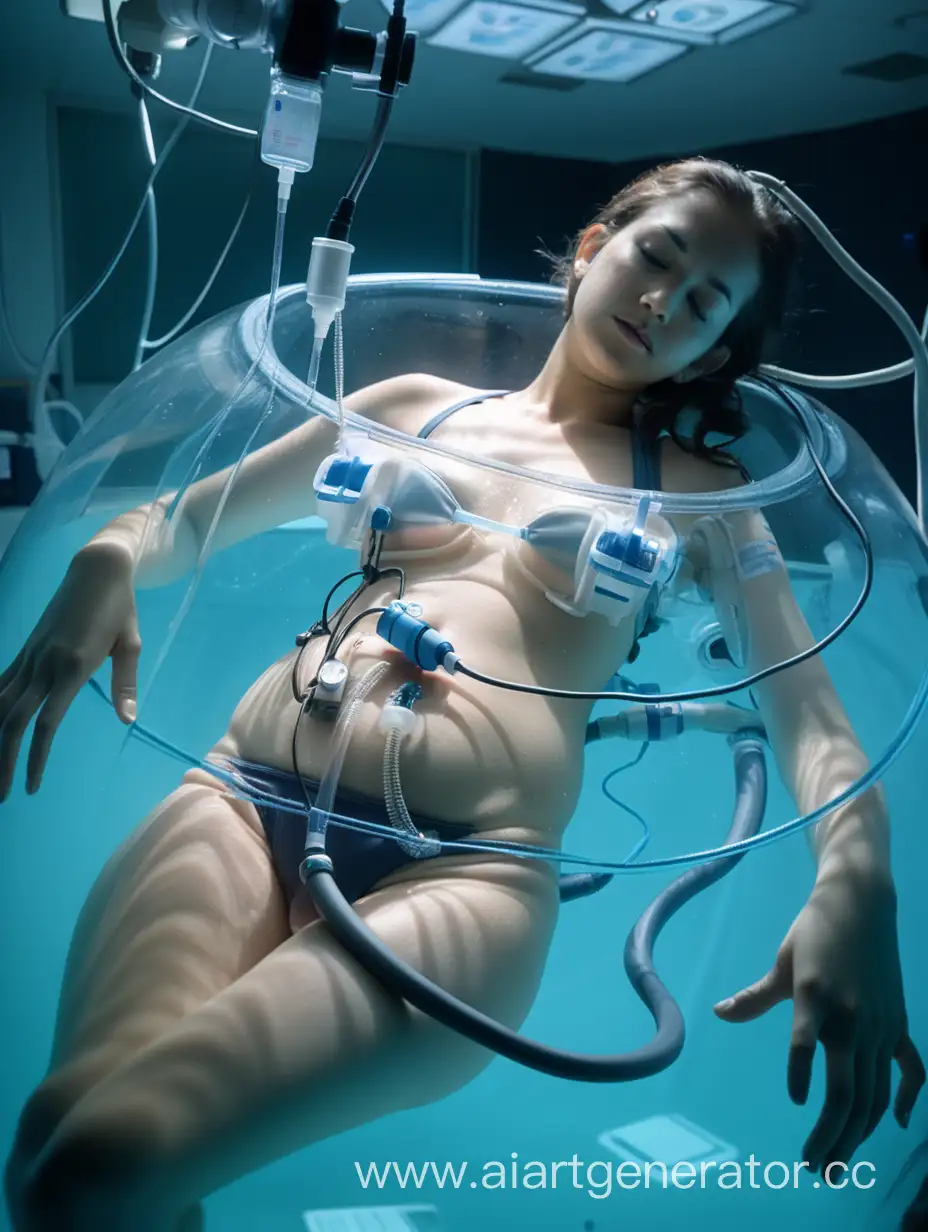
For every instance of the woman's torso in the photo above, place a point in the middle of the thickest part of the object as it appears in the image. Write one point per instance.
(506, 762)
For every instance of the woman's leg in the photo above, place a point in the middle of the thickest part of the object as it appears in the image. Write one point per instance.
(303, 1045)
(181, 910)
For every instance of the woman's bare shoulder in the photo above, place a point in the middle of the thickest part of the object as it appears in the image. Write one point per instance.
(406, 400)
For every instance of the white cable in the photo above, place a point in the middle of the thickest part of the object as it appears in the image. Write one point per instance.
(154, 343)
(37, 394)
(212, 429)
(109, 8)
(860, 380)
(152, 212)
(284, 186)
(898, 315)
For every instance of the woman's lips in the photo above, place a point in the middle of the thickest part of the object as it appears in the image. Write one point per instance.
(634, 334)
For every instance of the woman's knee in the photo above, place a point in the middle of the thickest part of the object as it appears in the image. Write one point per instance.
(41, 1116)
(42, 1113)
(79, 1182)
(88, 1172)
(48, 1105)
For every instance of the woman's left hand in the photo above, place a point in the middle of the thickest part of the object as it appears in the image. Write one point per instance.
(840, 964)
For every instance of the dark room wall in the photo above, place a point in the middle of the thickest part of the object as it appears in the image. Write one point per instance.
(102, 172)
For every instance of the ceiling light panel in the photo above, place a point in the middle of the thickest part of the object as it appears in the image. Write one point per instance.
(717, 21)
(606, 51)
(511, 31)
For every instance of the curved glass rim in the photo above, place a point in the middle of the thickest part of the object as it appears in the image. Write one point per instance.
(795, 478)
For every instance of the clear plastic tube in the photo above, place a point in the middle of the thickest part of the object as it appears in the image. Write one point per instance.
(719, 717)
(419, 846)
(798, 475)
(37, 393)
(315, 361)
(891, 753)
(151, 208)
(558, 856)
(482, 523)
(794, 476)
(213, 429)
(340, 379)
(215, 424)
(350, 708)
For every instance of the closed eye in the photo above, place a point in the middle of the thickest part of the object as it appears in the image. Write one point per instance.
(657, 264)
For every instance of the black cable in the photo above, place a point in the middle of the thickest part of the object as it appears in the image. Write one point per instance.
(378, 134)
(749, 681)
(666, 1044)
(370, 572)
(370, 611)
(339, 226)
(305, 707)
(403, 980)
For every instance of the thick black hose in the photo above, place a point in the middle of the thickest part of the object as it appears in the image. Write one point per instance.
(398, 977)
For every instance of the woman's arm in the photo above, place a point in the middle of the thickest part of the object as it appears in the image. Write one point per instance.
(273, 486)
(839, 962)
(816, 750)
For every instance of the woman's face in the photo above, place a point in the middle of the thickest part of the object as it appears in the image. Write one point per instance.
(656, 298)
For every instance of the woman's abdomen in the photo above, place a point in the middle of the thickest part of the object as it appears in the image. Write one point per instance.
(480, 755)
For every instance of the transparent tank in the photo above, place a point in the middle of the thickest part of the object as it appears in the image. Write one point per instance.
(207, 637)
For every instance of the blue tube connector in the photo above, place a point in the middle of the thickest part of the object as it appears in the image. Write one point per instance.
(401, 626)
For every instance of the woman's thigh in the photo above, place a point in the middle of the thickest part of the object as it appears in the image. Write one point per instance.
(307, 1044)
(184, 907)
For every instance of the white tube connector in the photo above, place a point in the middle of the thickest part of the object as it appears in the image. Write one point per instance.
(330, 687)
(399, 719)
(664, 721)
(284, 184)
(326, 281)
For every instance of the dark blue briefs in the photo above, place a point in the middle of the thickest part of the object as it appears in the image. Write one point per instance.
(361, 860)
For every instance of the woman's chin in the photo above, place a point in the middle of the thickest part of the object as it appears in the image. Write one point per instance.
(628, 373)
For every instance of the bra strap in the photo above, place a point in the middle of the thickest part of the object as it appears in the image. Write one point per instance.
(646, 459)
(433, 423)
(646, 452)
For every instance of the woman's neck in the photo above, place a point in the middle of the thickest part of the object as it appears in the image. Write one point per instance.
(568, 396)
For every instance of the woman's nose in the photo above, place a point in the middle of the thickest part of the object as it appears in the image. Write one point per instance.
(655, 304)
(659, 302)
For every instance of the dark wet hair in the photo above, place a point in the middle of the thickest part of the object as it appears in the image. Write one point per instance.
(714, 398)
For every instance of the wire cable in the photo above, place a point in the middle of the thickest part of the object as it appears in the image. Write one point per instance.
(189, 111)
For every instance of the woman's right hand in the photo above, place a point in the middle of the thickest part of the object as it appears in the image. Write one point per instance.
(92, 615)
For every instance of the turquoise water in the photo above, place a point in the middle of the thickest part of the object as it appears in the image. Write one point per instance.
(725, 1098)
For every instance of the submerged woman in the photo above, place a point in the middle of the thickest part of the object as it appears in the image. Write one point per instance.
(208, 1023)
